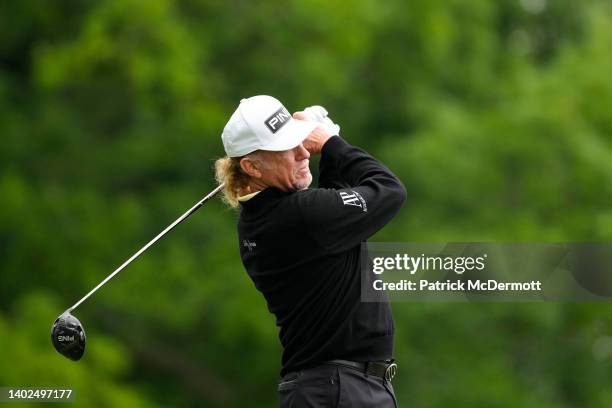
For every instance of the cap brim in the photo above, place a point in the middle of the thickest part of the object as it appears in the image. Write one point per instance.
(291, 135)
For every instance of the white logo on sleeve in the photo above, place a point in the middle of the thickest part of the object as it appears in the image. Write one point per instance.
(353, 199)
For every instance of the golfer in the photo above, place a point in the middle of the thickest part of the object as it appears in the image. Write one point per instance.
(302, 248)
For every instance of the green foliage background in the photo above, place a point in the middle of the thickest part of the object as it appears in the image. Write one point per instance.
(495, 114)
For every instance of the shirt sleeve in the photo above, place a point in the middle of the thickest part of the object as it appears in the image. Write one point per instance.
(362, 195)
(328, 170)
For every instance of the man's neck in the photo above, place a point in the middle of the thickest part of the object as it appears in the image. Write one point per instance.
(253, 187)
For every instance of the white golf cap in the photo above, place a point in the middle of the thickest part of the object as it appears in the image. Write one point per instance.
(262, 123)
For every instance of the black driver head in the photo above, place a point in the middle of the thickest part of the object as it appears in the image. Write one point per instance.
(68, 336)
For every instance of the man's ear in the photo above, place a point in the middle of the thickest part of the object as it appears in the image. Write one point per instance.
(250, 167)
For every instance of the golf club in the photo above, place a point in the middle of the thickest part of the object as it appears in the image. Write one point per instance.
(67, 332)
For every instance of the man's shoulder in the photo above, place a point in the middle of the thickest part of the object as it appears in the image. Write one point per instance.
(310, 194)
(311, 200)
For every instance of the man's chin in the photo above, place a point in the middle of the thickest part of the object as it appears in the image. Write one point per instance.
(303, 183)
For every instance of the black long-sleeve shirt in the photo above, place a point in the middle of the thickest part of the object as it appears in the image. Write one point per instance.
(303, 252)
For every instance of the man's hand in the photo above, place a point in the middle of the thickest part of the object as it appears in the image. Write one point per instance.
(319, 114)
(316, 139)
(327, 128)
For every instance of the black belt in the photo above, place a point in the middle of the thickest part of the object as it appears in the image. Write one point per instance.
(382, 369)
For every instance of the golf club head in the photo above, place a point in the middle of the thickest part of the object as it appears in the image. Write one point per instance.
(68, 336)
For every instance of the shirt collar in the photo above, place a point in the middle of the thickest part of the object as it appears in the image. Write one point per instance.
(247, 197)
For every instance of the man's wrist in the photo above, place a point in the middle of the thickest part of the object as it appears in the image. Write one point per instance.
(332, 146)
(326, 140)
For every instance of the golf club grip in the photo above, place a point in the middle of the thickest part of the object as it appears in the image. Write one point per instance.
(154, 240)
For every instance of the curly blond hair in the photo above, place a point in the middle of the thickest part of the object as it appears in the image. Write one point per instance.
(228, 171)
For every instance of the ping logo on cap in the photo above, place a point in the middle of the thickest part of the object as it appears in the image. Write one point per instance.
(278, 119)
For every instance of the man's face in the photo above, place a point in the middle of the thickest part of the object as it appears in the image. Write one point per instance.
(287, 170)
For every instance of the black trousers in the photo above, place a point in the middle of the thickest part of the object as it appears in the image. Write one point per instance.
(334, 386)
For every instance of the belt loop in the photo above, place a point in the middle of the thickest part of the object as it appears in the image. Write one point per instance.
(367, 365)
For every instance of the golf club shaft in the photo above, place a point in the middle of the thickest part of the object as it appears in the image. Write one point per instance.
(144, 248)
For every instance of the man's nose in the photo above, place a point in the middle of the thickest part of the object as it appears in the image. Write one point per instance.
(302, 152)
